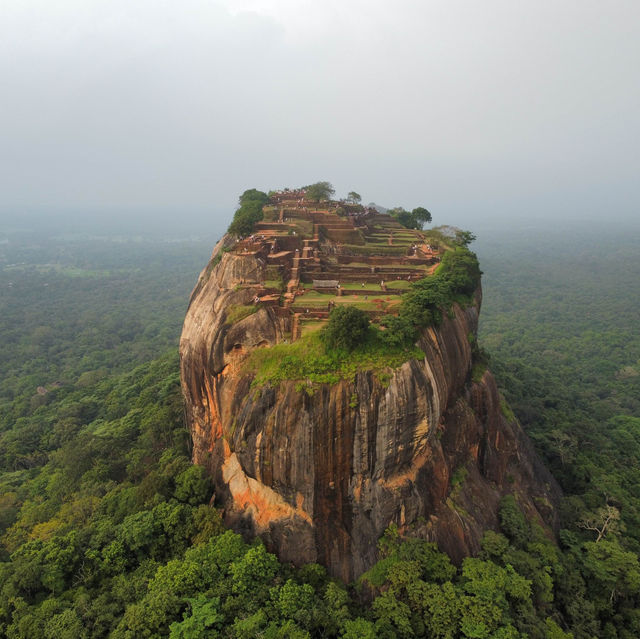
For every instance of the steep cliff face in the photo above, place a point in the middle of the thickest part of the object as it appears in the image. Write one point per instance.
(321, 476)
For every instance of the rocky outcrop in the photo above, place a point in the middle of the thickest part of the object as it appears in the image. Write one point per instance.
(320, 476)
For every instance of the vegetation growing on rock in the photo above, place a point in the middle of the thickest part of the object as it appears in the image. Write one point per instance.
(303, 246)
(455, 281)
(327, 397)
(415, 219)
(249, 212)
(318, 191)
(309, 361)
(346, 329)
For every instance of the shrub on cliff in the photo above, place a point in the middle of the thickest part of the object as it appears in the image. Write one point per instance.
(455, 281)
(250, 212)
(347, 328)
(253, 195)
(461, 270)
(398, 331)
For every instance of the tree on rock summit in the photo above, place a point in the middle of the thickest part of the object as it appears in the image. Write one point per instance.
(347, 328)
(319, 191)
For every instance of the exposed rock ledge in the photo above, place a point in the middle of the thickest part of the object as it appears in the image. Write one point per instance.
(319, 477)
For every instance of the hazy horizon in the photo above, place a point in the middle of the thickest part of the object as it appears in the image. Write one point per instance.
(504, 113)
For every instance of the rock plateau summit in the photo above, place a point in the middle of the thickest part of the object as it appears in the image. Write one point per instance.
(320, 469)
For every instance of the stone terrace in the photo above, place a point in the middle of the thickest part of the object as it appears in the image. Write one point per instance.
(319, 255)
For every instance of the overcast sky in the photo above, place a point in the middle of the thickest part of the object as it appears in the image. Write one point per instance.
(489, 109)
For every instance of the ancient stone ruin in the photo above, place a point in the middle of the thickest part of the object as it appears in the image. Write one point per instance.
(316, 256)
(320, 469)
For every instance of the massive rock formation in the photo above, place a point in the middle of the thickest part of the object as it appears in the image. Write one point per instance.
(319, 477)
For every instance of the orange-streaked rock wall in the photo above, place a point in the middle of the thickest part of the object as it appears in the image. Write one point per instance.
(321, 476)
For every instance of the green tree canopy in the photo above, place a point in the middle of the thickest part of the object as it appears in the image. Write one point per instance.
(411, 220)
(347, 328)
(465, 237)
(354, 197)
(421, 215)
(245, 218)
(319, 191)
(253, 195)
(249, 213)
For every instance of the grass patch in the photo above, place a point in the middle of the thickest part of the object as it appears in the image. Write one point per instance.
(477, 371)
(307, 360)
(273, 273)
(311, 326)
(378, 303)
(311, 298)
(217, 259)
(355, 286)
(506, 411)
(278, 284)
(399, 284)
(458, 476)
(238, 312)
(355, 249)
(310, 306)
(401, 267)
(300, 226)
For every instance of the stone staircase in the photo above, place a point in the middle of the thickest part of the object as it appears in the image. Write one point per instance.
(294, 281)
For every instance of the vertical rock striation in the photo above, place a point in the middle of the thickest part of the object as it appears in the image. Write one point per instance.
(319, 477)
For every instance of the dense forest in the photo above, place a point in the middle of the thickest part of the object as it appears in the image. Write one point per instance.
(106, 529)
